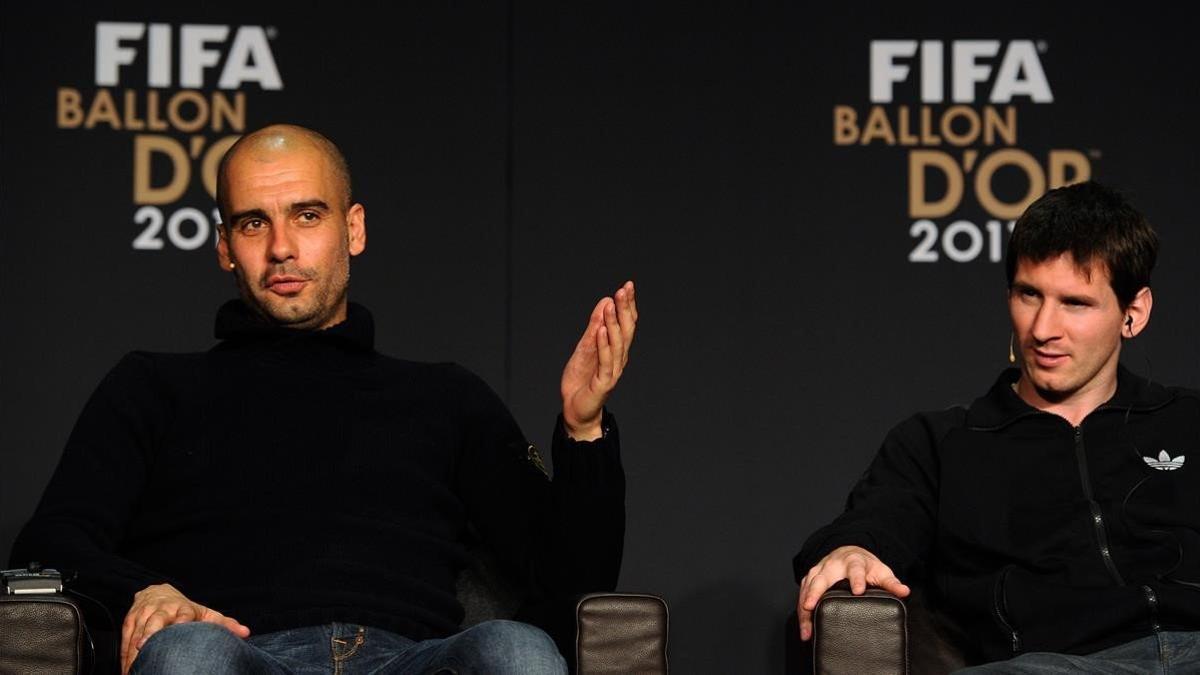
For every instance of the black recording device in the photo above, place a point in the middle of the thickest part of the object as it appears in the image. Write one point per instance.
(33, 579)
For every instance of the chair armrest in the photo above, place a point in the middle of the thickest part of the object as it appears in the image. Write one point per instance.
(859, 633)
(40, 633)
(620, 633)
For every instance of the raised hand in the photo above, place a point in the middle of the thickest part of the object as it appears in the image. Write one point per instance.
(597, 363)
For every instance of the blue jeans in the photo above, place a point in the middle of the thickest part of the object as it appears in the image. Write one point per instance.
(489, 647)
(1168, 653)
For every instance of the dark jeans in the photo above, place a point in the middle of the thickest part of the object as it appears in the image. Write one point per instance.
(490, 647)
(1172, 653)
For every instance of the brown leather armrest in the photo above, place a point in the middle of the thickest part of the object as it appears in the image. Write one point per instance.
(620, 633)
(860, 633)
(40, 634)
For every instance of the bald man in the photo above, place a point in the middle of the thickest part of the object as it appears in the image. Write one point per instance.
(294, 501)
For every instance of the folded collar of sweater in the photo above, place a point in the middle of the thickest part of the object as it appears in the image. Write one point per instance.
(236, 321)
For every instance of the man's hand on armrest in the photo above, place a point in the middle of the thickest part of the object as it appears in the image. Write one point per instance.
(855, 563)
(156, 607)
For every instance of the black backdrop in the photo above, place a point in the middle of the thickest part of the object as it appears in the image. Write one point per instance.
(519, 160)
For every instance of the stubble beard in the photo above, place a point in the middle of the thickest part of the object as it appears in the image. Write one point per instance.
(313, 312)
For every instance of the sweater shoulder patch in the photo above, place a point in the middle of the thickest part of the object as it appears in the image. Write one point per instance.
(535, 458)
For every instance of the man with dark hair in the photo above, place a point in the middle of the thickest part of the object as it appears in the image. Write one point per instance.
(292, 500)
(1092, 223)
(1055, 518)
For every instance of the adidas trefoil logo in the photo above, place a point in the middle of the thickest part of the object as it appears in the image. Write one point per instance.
(1165, 462)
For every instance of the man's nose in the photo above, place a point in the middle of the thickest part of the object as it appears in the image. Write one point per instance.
(1046, 324)
(283, 245)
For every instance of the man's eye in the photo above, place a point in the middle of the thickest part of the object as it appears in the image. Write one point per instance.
(251, 226)
(309, 216)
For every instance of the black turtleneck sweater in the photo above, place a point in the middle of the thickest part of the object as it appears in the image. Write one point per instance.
(289, 478)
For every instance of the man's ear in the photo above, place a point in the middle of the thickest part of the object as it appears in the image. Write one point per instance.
(223, 257)
(1137, 314)
(356, 228)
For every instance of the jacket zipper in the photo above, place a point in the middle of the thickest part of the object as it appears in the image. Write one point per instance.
(1097, 516)
(1152, 601)
(1001, 603)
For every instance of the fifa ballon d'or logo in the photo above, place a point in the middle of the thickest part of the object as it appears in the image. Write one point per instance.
(957, 147)
(183, 113)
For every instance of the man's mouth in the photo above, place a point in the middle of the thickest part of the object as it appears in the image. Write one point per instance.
(1048, 359)
(285, 284)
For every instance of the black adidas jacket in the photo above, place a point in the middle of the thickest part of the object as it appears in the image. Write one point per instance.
(1040, 536)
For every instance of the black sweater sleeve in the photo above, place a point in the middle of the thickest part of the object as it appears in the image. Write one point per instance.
(563, 536)
(86, 506)
(892, 510)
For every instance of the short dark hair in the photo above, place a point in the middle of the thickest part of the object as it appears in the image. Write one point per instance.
(1091, 222)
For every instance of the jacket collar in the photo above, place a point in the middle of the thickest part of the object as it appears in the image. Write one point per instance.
(1002, 405)
(236, 321)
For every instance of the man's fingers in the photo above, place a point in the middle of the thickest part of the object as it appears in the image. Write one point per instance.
(605, 352)
(805, 623)
(602, 308)
(879, 574)
(893, 585)
(856, 572)
(126, 633)
(803, 615)
(616, 339)
(235, 627)
(598, 311)
(155, 623)
(135, 634)
(587, 341)
(129, 647)
(127, 660)
(811, 590)
(165, 616)
(185, 613)
(231, 624)
(160, 619)
(626, 313)
(816, 588)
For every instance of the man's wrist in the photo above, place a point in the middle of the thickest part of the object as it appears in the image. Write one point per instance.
(584, 432)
